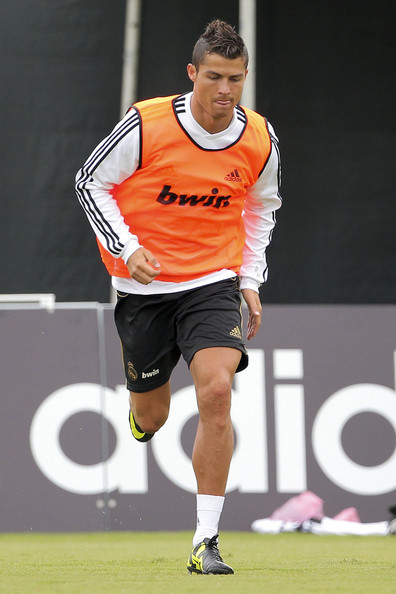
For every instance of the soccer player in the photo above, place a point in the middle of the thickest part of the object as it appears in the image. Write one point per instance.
(182, 197)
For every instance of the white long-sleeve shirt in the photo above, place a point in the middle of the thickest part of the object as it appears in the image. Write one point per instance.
(118, 156)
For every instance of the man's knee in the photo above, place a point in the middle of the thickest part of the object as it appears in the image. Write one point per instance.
(214, 398)
(152, 422)
(151, 409)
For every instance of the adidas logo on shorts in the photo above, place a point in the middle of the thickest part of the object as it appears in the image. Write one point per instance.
(236, 333)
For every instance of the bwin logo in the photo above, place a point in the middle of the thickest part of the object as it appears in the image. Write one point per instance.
(167, 197)
(150, 373)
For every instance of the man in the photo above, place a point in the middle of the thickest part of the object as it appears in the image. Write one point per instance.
(182, 197)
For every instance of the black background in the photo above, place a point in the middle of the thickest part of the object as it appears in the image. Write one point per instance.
(325, 80)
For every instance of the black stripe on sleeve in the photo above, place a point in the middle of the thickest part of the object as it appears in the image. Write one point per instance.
(111, 238)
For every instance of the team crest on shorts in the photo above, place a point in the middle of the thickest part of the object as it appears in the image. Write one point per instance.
(132, 373)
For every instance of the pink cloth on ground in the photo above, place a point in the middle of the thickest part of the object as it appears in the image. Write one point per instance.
(350, 514)
(302, 507)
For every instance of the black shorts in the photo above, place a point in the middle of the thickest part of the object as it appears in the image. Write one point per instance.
(155, 329)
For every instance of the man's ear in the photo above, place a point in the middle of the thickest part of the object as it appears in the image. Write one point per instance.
(192, 72)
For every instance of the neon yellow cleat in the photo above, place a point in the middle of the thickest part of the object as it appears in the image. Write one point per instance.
(205, 559)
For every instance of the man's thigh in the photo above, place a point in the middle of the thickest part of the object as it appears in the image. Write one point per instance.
(214, 366)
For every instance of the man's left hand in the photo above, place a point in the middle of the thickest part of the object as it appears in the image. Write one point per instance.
(252, 299)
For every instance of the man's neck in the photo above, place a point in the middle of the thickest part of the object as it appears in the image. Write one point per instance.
(207, 122)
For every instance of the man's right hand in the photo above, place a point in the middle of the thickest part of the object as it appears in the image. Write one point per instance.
(143, 266)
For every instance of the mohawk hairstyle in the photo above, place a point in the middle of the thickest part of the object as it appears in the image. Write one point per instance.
(219, 38)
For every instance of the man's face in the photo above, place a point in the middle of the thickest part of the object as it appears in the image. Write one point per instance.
(218, 86)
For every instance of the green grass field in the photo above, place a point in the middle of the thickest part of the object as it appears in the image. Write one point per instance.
(156, 562)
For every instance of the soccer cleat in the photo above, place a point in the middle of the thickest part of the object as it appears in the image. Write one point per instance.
(205, 559)
(392, 527)
(392, 510)
(392, 521)
(136, 431)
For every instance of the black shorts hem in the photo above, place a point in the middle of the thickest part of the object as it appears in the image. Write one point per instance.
(147, 387)
(243, 363)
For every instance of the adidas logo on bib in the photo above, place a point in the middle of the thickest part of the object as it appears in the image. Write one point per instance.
(233, 176)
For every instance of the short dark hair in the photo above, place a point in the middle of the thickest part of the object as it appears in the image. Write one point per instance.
(219, 38)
